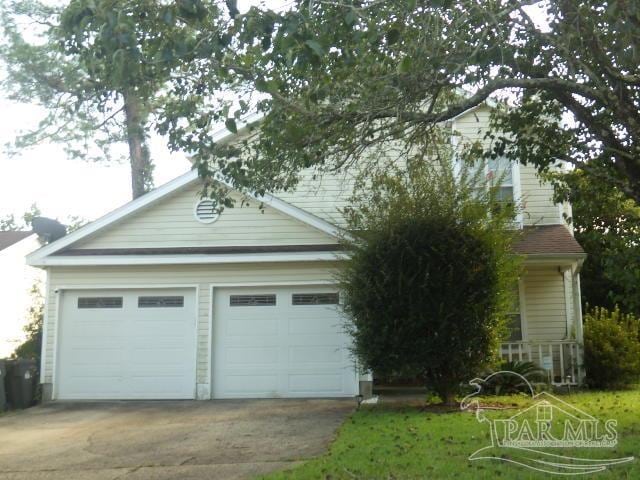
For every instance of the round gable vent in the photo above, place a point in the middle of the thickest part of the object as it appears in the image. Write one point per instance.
(207, 211)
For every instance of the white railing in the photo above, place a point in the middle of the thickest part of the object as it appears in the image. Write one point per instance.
(561, 359)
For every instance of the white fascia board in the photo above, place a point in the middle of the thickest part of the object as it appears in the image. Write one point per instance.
(88, 260)
(127, 209)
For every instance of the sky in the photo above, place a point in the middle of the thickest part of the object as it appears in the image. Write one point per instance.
(63, 187)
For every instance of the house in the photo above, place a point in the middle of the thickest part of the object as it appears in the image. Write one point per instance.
(166, 298)
(16, 281)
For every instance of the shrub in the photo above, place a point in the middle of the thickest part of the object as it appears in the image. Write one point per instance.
(502, 381)
(611, 348)
(429, 280)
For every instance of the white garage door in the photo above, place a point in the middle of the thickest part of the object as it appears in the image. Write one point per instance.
(280, 342)
(127, 344)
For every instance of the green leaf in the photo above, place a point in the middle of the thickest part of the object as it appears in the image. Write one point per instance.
(230, 123)
(316, 47)
(350, 17)
(405, 65)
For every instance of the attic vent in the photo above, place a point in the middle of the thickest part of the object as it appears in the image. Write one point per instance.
(315, 298)
(207, 211)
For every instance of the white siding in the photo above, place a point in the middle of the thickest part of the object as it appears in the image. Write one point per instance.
(171, 223)
(537, 196)
(545, 306)
(201, 275)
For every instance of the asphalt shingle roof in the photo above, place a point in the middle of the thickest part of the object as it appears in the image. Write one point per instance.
(9, 238)
(547, 239)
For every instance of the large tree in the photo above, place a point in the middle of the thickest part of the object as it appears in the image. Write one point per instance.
(99, 67)
(338, 79)
(607, 225)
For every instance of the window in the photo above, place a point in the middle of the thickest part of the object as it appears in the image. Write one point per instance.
(515, 318)
(252, 300)
(160, 302)
(315, 298)
(207, 211)
(100, 302)
(501, 170)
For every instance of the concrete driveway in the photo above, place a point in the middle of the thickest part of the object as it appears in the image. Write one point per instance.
(163, 440)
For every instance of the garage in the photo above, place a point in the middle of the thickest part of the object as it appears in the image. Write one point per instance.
(273, 342)
(127, 344)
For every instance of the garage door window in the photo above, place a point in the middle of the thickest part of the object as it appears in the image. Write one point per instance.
(252, 300)
(160, 302)
(315, 298)
(100, 302)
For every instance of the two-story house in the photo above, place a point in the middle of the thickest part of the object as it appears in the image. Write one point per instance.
(166, 298)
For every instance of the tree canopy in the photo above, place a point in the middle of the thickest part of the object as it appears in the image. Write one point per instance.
(607, 225)
(337, 79)
(99, 68)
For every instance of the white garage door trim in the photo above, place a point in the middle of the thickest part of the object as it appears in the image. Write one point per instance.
(59, 291)
(213, 287)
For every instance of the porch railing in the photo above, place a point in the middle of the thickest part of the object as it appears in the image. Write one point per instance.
(561, 359)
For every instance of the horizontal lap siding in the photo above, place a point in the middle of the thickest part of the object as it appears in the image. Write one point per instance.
(201, 275)
(538, 199)
(545, 307)
(171, 223)
(537, 196)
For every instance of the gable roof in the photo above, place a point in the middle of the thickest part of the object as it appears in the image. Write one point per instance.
(9, 238)
(161, 192)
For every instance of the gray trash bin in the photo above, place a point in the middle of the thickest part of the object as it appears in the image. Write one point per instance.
(3, 378)
(21, 383)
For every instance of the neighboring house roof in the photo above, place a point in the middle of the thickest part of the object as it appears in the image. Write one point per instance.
(9, 238)
(548, 240)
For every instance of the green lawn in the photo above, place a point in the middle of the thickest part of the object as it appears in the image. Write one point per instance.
(407, 441)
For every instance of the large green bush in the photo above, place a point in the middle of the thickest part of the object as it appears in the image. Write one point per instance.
(611, 348)
(429, 280)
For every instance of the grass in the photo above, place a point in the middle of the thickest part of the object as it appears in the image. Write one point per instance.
(408, 441)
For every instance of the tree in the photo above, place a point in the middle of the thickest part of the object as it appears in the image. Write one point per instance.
(607, 225)
(32, 346)
(429, 279)
(9, 222)
(339, 79)
(99, 67)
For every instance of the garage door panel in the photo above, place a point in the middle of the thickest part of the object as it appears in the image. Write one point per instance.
(251, 355)
(254, 385)
(128, 352)
(284, 350)
(241, 327)
(310, 383)
(315, 354)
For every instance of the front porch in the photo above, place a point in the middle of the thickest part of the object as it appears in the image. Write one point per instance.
(561, 359)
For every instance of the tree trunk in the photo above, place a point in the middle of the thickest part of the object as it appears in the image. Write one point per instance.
(141, 168)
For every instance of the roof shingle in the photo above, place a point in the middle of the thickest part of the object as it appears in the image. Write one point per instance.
(547, 240)
(9, 238)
